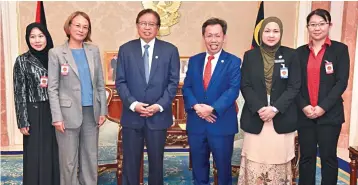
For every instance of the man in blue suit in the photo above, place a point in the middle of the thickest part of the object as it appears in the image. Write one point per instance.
(211, 87)
(147, 80)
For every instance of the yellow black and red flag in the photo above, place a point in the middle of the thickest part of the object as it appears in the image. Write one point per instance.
(260, 17)
(40, 13)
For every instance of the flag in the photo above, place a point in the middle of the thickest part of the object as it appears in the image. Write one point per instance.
(260, 17)
(40, 13)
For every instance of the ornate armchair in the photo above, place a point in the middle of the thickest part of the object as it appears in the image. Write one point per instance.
(109, 144)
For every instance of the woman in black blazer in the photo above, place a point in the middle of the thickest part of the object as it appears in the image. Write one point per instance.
(270, 82)
(325, 71)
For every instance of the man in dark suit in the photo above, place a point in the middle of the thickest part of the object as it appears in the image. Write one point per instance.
(211, 87)
(147, 80)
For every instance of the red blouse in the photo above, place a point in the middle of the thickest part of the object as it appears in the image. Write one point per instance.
(313, 71)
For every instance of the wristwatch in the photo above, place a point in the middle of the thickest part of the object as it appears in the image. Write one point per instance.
(274, 110)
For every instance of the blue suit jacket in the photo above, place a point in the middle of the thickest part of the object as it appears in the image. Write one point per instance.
(161, 88)
(222, 92)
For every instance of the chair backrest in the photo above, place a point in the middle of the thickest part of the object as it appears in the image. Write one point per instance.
(109, 95)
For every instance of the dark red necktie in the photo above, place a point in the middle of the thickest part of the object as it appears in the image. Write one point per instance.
(207, 72)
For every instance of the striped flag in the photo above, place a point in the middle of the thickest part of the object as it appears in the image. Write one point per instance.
(40, 13)
(260, 17)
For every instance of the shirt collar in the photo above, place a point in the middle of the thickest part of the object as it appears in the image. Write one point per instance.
(216, 56)
(327, 42)
(151, 43)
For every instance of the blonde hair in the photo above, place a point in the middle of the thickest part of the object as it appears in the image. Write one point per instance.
(68, 22)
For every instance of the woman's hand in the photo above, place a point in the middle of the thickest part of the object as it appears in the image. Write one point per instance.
(101, 120)
(25, 131)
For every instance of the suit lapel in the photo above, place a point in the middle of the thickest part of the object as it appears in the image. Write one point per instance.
(89, 55)
(218, 68)
(35, 62)
(137, 51)
(326, 57)
(155, 58)
(201, 64)
(304, 57)
(69, 58)
(276, 67)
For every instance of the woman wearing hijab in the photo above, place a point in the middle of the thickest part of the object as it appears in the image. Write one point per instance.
(270, 82)
(325, 72)
(78, 101)
(40, 157)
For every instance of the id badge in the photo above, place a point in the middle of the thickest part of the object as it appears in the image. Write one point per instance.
(64, 69)
(284, 72)
(329, 67)
(43, 81)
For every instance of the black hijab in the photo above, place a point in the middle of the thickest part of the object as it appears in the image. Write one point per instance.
(42, 56)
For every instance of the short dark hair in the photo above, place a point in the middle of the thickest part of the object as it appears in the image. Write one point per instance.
(145, 11)
(320, 12)
(214, 21)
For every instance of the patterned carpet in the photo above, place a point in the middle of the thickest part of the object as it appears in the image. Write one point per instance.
(176, 171)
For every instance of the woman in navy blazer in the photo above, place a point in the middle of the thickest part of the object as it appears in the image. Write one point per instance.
(325, 72)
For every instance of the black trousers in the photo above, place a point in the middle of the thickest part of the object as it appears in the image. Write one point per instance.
(133, 145)
(41, 166)
(326, 136)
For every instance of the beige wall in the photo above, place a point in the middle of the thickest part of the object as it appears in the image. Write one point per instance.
(113, 22)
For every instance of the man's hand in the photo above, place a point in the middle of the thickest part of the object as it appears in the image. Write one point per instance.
(101, 120)
(211, 118)
(309, 112)
(318, 111)
(151, 110)
(60, 126)
(204, 110)
(25, 131)
(141, 109)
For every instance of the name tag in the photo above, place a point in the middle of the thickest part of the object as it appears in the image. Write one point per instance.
(43, 81)
(64, 69)
(329, 67)
(283, 72)
(279, 61)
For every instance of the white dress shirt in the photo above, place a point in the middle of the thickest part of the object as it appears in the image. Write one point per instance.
(150, 53)
(213, 61)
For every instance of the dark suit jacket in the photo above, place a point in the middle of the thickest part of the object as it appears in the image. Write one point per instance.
(331, 86)
(223, 90)
(283, 91)
(161, 88)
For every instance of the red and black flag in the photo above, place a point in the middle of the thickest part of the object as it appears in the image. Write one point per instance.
(260, 17)
(40, 13)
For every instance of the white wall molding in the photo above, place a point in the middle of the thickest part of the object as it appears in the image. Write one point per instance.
(353, 128)
(337, 18)
(304, 8)
(11, 51)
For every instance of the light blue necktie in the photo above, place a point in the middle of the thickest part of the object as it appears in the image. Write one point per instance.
(146, 62)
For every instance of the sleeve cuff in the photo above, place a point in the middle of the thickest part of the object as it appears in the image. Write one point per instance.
(160, 108)
(132, 107)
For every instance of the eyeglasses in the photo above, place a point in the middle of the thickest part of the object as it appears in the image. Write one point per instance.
(314, 25)
(145, 24)
(78, 27)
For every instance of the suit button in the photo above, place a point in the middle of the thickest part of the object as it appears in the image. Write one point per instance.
(273, 89)
(206, 97)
